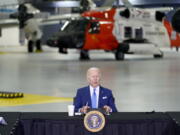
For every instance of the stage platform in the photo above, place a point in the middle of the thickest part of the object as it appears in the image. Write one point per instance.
(121, 123)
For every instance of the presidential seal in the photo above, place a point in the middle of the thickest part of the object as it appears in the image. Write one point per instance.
(94, 121)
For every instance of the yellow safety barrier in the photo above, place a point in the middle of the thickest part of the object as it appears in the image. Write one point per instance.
(32, 99)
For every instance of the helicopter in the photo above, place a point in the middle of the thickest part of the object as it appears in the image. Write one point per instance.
(120, 30)
(29, 19)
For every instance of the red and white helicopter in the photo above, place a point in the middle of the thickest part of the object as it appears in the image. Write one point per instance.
(120, 30)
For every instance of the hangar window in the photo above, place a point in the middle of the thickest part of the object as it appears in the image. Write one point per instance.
(128, 32)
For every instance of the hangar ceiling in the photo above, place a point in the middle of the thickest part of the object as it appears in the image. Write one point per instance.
(154, 2)
(99, 2)
(134, 2)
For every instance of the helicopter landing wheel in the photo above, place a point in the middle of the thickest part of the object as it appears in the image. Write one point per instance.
(119, 55)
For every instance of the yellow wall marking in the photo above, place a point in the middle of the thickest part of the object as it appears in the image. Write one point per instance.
(32, 99)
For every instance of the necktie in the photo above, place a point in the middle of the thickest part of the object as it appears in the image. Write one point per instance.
(94, 99)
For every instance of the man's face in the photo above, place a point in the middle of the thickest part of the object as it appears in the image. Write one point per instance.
(93, 77)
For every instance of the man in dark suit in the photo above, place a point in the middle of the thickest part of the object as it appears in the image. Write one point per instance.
(94, 95)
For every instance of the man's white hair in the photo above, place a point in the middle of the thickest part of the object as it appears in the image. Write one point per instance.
(93, 68)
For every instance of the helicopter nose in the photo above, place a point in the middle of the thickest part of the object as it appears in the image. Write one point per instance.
(176, 21)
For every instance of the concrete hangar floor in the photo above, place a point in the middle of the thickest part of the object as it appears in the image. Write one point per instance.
(49, 80)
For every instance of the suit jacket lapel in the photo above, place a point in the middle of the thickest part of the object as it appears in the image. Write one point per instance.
(88, 96)
(100, 96)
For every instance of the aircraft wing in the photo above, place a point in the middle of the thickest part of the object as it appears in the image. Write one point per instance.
(43, 17)
(5, 20)
(8, 22)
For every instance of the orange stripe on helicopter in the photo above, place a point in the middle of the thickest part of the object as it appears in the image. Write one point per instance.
(173, 36)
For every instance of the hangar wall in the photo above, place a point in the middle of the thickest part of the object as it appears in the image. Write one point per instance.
(7, 2)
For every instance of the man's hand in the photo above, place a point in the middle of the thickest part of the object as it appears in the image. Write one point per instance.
(84, 109)
(107, 109)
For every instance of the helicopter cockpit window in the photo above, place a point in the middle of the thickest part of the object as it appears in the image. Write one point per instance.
(75, 26)
(94, 28)
(128, 32)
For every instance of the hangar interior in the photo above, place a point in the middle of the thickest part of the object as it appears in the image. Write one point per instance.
(140, 83)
